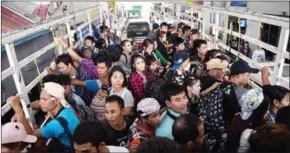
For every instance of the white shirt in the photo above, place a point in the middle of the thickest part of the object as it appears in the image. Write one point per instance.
(259, 55)
(244, 141)
(114, 149)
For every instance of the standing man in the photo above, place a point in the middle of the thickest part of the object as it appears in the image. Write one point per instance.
(176, 102)
(144, 126)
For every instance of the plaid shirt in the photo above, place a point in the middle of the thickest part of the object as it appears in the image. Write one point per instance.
(271, 117)
(82, 91)
(151, 77)
(137, 86)
(89, 67)
(136, 134)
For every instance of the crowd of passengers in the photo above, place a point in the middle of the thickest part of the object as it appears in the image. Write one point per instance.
(172, 95)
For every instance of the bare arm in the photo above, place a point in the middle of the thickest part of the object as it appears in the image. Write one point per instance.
(78, 82)
(209, 89)
(14, 102)
(265, 76)
(128, 111)
(168, 46)
(71, 52)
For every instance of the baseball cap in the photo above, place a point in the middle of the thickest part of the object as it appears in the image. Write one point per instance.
(57, 91)
(194, 31)
(250, 101)
(86, 48)
(239, 67)
(216, 63)
(179, 58)
(15, 132)
(155, 26)
(148, 106)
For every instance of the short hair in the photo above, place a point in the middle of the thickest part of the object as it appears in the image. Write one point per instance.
(61, 79)
(211, 54)
(185, 128)
(116, 98)
(64, 58)
(185, 28)
(147, 42)
(114, 52)
(270, 138)
(150, 59)
(171, 89)
(89, 132)
(163, 24)
(178, 41)
(157, 145)
(91, 38)
(200, 42)
(119, 69)
(123, 43)
(283, 117)
(104, 59)
(100, 43)
(104, 28)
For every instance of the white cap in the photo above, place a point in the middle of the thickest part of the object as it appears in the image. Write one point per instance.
(15, 132)
(148, 106)
(57, 91)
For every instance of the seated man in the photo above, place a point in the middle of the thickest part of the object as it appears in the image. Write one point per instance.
(177, 103)
(90, 137)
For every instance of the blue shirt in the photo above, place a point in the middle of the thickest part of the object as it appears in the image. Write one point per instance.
(92, 86)
(165, 128)
(95, 85)
(53, 129)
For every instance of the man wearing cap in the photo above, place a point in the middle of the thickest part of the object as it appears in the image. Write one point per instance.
(153, 34)
(179, 70)
(215, 68)
(144, 126)
(13, 136)
(53, 102)
(239, 77)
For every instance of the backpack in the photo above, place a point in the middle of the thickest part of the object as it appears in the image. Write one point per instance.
(98, 105)
(85, 112)
(156, 88)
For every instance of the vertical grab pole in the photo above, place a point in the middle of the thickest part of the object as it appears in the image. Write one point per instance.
(70, 37)
(19, 82)
(203, 24)
(279, 60)
(90, 23)
(191, 16)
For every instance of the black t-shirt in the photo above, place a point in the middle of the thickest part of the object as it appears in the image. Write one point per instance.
(115, 137)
